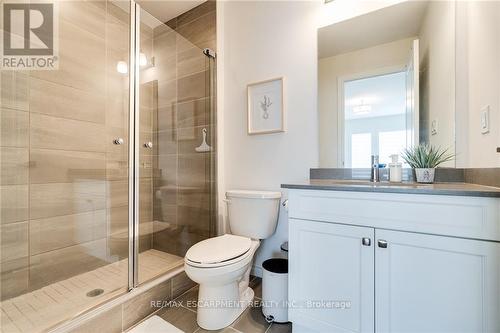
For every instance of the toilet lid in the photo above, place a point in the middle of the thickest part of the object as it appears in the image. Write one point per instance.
(218, 249)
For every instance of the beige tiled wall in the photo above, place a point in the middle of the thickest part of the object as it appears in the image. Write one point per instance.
(182, 202)
(63, 183)
(64, 190)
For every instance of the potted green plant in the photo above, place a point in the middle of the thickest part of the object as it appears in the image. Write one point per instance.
(424, 159)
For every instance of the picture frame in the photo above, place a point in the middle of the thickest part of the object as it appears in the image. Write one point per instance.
(266, 106)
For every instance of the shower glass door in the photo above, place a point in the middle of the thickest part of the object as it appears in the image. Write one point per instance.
(176, 144)
(102, 189)
(64, 166)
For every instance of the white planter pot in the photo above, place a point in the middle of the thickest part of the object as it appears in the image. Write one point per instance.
(425, 175)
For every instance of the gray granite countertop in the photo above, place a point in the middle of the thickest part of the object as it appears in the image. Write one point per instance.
(458, 189)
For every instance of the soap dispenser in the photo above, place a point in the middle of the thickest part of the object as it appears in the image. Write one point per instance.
(395, 169)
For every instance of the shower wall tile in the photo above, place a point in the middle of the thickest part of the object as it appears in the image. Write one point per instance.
(86, 15)
(14, 166)
(14, 90)
(67, 102)
(14, 241)
(167, 142)
(190, 61)
(116, 83)
(116, 167)
(168, 174)
(14, 128)
(165, 118)
(194, 198)
(57, 265)
(146, 96)
(193, 170)
(59, 133)
(192, 87)
(195, 221)
(62, 231)
(165, 44)
(117, 193)
(56, 199)
(193, 113)
(198, 31)
(14, 203)
(145, 200)
(197, 12)
(82, 60)
(14, 277)
(167, 93)
(140, 307)
(117, 219)
(117, 28)
(63, 166)
(166, 67)
(117, 111)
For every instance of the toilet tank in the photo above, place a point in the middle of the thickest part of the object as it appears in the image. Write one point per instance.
(253, 214)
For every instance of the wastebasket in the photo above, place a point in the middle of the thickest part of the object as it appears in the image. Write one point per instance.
(275, 290)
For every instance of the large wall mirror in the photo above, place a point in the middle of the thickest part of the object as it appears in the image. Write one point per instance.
(409, 73)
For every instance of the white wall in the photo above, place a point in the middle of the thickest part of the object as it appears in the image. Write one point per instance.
(262, 40)
(437, 74)
(369, 60)
(478, 58)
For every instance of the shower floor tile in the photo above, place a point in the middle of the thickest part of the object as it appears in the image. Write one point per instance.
(41, 309)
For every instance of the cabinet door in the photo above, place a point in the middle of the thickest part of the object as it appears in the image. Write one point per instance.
(430, 283)
(331, 277)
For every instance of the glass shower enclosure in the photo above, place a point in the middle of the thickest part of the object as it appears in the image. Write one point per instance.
(107, 163)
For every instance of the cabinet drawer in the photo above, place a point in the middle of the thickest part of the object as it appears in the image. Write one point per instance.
(468, 217)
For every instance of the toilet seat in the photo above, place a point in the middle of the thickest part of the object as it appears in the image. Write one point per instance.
(219, 251)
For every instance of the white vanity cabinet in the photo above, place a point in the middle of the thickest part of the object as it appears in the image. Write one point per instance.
(328, 263)
(373, 262)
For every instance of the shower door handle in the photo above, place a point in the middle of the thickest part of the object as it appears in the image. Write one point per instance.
(148, 144)
(118, 141)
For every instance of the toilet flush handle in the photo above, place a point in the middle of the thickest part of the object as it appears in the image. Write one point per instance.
(285, 204)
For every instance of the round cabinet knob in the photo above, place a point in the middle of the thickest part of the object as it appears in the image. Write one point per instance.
(118, 141)
(148, 144)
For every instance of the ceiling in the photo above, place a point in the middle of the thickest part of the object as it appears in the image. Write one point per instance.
(382, 26)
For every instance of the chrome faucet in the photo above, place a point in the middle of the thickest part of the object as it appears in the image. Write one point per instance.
(375, 173)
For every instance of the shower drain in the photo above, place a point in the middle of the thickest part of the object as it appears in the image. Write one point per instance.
(95, 292)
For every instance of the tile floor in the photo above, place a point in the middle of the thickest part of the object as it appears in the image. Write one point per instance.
(250, 321)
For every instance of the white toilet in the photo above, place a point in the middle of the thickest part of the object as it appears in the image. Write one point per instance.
(221, 265)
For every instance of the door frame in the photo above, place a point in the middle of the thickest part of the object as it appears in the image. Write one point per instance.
(341, 80)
